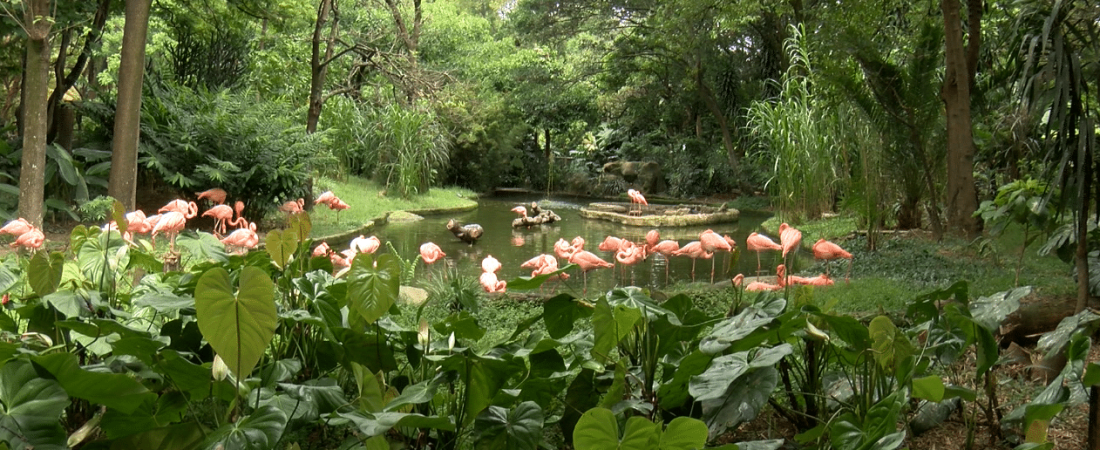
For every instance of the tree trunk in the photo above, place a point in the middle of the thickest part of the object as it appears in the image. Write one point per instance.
(124, 148)
(318, 67)
(411, 39)
(707, 96)
(32, 176)
(58, 116)
(962, 197)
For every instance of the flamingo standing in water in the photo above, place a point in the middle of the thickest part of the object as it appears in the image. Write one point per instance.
(666, 248)
(759, 243)
(215, 195)
(712, 242)
(431, 253)
(364, 244)
(636, 198)
(829, 251)
(490, 264)
(588, 261)
(629, 255)
(693, 250)
(520, 211)
(563, 249)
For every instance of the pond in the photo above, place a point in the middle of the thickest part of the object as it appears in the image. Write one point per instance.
(514, 246)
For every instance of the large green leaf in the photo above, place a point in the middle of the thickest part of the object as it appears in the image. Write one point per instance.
(483, 376)
(518, 428)
(876, 430)
(991, 311)
(30, 408)
(373, 290)
(890, 344)
(44, 272)
(113, 390)
(610, 325)
(741, 402)
(280, 245)
(598, 429)
(740, 326)
(259, 430)
(561, 312)
(240, 327)
(684, 433)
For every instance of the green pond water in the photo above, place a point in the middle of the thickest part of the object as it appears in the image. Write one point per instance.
(514, 246)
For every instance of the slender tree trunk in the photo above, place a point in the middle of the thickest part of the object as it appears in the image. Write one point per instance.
(708, 98)
(32, 175)
(962, 197)
(67, 81)
(124, 149)
(318, 66)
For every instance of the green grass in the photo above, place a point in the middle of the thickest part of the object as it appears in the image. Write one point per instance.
(369, 200)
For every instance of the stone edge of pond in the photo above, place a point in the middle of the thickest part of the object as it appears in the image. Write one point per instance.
(662, 220)
(384, 219)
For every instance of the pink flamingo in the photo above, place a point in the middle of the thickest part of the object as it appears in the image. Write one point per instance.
(243, 238)
(221, 215)
(321, 250)
(588, 261)
(712, 243)
(171, 223)
(337, 205)
(188, 209)
(293, 207)
(759, 243)
(666, 248)
(563, 249)
(577, 243)
(629, 256)
(491, 284)
(636, 198)
(16, 227)
(431, 253)
(819, 280)
(693, 250)
(490, 264)
(789, 238)
(829, 251)
(520, 211)
(215, 195)
(651, 239)
(364, 244)
(325, 198)
(32, 239)
(610, 244)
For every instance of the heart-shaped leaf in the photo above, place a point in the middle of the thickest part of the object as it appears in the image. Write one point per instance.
(373, 288)
(519, 428)
(239, 327)
(44, 272)
(684, 433)
(610, 325)
(280, 245)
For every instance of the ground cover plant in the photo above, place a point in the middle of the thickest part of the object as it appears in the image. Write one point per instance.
(273, 349)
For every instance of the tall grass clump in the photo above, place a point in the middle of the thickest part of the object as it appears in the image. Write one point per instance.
(797, 132)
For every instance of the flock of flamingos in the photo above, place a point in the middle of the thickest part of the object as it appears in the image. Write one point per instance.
(172, 218)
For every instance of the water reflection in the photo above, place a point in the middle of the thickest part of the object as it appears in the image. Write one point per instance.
(513, 246)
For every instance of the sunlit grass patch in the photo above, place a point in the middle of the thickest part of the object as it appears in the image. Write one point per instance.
(369, 200)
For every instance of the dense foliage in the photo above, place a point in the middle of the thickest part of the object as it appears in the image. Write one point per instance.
(272, 349)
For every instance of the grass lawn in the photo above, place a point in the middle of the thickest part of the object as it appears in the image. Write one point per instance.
(368, 200)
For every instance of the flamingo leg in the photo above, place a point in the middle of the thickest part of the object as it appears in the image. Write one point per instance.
(693, 269)
(712, 261)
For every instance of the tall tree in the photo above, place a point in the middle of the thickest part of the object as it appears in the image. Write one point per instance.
(124, 149)
(961, 67)
(319, 62)
(37, 21)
